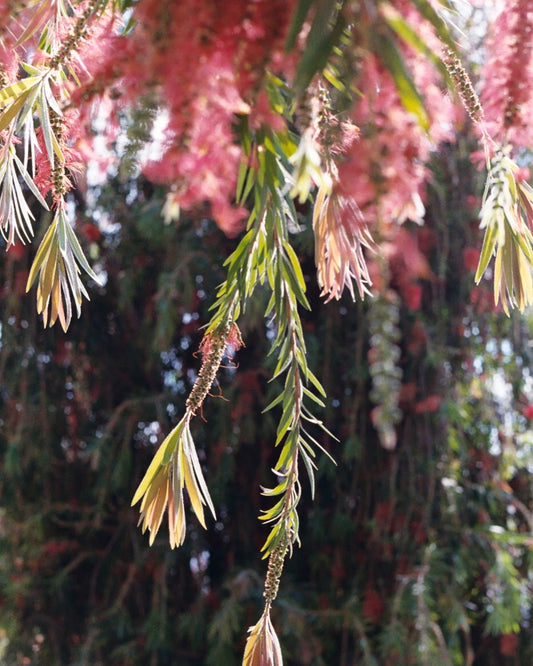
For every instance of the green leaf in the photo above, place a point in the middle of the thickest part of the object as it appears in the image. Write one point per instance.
(46, 127)
(51, 100)
(278, 490)
(172, 440)
(272, 540)
(313, 397)
(310, 467)
(332, 76)
(150, 475)
(30, 69)
(153, 487)
(384, 46)
(296, 268)
(301, 357)
(48, 277)
(41, 255)
(12, 111)
(287, 417)
(314, 380)
(78, 252)
(324, 35)
(245, 182)
(288, 450)
(269, 515)
(61, 231)
(192, 457)
(400, 26)
(487, 250)
(427, 10)
(20, 88)
(297, 22)
(283, 363)
(272, 404)
(317, 443)
(293, 286)
(192, 488)
(29, 182)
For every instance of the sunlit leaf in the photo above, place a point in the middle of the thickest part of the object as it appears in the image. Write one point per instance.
(427, 10)
(57, 270)
(19, 89)
(411, 37)
(176, 464)
(507, 235)
(487, 251)
(326, 29)
(298, 20)
(384, 46)
(13, 110)
(262, 647)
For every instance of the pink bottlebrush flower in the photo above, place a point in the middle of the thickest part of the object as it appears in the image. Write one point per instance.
(231, 219)
(98, 46)
(507, 91)
(73, 165)
(10, 64)
(261, 39)
(429, 404)
(199, 154)
(412, 294)
(232, 343)
(385, 170)
(201, 88)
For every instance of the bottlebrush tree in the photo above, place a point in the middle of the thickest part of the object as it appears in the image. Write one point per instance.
(255, 112)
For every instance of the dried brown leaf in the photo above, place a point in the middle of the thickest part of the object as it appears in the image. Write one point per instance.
(262, 646)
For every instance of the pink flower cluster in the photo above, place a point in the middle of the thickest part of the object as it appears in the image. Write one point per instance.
(205, 61)
(507, 94)
(73, 159)
(385, 171)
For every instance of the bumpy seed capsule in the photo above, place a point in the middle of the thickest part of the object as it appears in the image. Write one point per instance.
(464, 86)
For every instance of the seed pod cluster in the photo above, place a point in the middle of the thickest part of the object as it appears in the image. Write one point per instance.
(78, 34)
(463, 85)
(274, 571)
(213, 347)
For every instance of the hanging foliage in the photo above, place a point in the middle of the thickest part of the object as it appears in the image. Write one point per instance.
(267, 117)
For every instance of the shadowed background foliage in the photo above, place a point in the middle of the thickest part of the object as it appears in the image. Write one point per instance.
(416, 555)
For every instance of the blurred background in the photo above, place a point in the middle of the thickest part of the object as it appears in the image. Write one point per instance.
(416, 553)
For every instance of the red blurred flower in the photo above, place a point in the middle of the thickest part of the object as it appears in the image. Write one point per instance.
(528, 412)
(471, 258)
(430, 404)
(373, 605)
(91, 232)
(508, 643)
(16, 251)
(412, 294)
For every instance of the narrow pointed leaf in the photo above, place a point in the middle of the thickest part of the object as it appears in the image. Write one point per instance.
(20, 88)
(12, 111)
(386, 50)
(487, 250)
